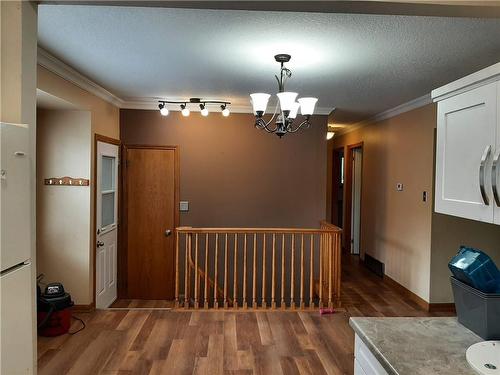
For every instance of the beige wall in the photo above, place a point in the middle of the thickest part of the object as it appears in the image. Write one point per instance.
(448, 234)
(234, 175)
(63, 212)
(105, 120)
(396, 226)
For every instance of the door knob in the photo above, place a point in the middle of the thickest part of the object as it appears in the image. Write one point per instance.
(100, 243)
(168, 232)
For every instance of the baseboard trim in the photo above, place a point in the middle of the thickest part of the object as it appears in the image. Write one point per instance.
(83, 308)
(408, 293)
(442, 307)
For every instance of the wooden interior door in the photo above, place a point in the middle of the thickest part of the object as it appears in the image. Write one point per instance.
(151, 216)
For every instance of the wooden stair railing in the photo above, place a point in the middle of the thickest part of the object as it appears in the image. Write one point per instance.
(202, 276)
(223, 267)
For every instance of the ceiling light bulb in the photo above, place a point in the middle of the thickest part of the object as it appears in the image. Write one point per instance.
(329, 135)
(225, 110)
(185, 112)
(307, 105)
(204, 110)
(163, 109)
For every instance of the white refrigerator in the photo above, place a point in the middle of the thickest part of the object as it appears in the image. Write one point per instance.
(16, 280)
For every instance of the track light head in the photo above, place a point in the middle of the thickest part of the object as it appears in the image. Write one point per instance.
(204, 110)
(163, 109)
(185, 112)
(225, 110)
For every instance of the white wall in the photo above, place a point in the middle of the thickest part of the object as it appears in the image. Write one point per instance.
(63, 212)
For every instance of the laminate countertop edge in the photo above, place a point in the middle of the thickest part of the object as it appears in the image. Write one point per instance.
(366, 340)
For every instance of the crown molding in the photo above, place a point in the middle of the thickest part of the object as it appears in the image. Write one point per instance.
(63, 70)
(392, 112)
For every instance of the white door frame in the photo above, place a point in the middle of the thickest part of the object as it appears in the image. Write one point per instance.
(357, 167)
(99, 138)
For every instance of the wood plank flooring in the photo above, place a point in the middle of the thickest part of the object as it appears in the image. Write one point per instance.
(224, 342)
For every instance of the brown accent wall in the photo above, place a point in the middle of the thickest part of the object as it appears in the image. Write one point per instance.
(396, 226)
(234, 175)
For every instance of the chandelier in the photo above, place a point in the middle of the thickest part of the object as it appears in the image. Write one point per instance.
(288, 107)
(200, 102)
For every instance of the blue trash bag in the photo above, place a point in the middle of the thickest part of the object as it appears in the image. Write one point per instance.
(475, 268)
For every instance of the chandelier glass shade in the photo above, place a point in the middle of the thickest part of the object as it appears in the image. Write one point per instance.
(286, 109)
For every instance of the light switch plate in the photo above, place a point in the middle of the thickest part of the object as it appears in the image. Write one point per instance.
(399, 186)
(184, 206)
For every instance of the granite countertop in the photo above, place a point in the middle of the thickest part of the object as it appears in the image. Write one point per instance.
(406, 346)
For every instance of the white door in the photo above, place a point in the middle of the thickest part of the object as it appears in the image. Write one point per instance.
(466, 140)
(357, 161)
(106, 223)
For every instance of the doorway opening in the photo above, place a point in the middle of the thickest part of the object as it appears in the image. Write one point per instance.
(352, 194)
(337, 213)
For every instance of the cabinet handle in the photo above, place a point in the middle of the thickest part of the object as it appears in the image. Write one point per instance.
(485, 157)
(494, 178)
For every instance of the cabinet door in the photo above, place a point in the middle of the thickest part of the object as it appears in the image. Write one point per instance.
(466, 139)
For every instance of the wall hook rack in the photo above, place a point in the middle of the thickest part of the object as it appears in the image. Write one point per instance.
(67, 181)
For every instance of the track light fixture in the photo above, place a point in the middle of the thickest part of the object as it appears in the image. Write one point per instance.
(203, 104)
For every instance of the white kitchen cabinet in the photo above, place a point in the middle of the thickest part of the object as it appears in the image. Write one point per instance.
(468, 147)
(365, 362)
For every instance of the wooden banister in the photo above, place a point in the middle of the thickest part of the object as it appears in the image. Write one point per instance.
(305, 267)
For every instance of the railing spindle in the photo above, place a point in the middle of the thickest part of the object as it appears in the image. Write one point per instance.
(302, 271)
(216, 268)
(321, 256)
(273, 275)
(186, 271)
(226, 304)
(292, 275)
(177, 269)
(254, 274)
(283, 304)
(264, 303)
(330, 265)
(245, 305)
(205, 294)
(235, 275)
(311, 273)
(196, 275)
(338, 269)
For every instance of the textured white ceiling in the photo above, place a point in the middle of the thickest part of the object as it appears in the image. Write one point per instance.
(360, 64)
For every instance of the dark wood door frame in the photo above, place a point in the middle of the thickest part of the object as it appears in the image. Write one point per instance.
(122, 263)
(348, 176)
(116, 142)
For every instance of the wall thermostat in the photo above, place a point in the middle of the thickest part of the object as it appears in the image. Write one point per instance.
(184, 206)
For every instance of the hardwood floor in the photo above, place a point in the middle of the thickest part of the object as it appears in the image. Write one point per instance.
(224, 342)
(141, 304)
